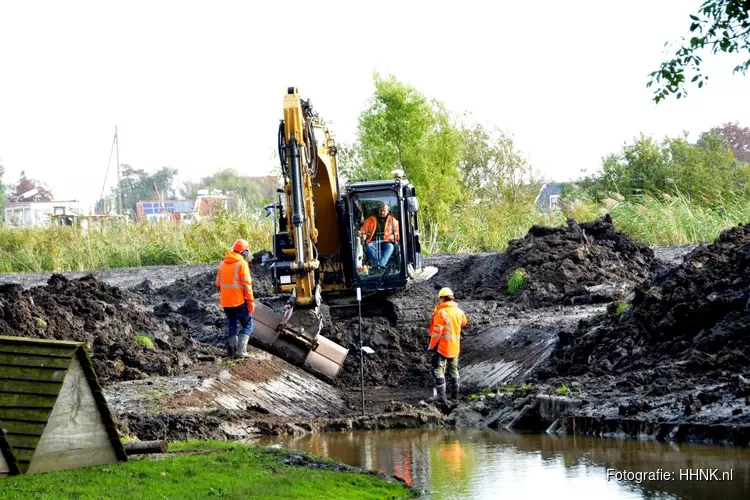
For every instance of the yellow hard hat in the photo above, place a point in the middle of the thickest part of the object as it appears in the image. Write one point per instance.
(445, 292)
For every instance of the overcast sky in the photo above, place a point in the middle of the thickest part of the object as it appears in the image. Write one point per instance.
(199, 85)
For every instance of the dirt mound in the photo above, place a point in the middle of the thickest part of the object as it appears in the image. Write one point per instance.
(691, 319)
(89, 310)
(582, 263)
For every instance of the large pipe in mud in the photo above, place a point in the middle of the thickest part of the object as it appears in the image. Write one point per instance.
(298, 216)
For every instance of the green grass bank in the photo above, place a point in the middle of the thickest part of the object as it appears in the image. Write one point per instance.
(207, 469)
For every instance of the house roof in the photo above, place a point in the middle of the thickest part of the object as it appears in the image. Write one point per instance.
(32, 376)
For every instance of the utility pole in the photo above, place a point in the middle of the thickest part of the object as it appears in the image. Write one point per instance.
(119, 187)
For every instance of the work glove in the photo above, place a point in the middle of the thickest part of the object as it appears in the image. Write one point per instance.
(430, 350)
(250, 308)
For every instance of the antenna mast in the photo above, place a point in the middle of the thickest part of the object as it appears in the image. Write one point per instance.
(119, 188)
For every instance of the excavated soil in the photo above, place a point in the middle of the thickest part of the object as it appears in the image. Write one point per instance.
(672, 362)
(695, 316)
(678, 347)
(579, 264)
(89, 310)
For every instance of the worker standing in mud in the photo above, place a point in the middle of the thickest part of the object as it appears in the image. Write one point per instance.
(236, 297)
(445, 342)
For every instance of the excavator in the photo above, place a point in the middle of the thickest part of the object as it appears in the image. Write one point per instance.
(321, 249)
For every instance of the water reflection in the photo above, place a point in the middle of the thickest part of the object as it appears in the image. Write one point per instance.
(449, 464)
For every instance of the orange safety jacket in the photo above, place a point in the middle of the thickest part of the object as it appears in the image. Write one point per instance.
(389, 231)
(234, 282)
(445, 329)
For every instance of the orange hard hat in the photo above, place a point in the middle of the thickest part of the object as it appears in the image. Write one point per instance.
(241, 245)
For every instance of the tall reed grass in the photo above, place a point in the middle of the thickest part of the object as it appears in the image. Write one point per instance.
(60, 249)
(667, 220)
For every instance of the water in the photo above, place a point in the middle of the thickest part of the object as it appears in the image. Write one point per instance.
(448, 464)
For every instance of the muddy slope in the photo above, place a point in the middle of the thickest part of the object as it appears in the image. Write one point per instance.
(578, 264)
(87, 309)
(677, 355)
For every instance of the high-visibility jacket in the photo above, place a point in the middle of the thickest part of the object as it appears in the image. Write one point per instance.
(390, 231)
(445, 329)
(234, 282)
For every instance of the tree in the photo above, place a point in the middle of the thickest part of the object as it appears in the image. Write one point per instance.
(403, 129)
(492, 167)
(706, 174)
(721, 25)
(735, 137)
(24, 185)
(2, 186)
(255, 191)
(138, 185)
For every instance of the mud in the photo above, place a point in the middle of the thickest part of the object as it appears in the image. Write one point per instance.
(89, 310)
(671, 364)
(242, 425)
(675, 355)
(584, 263)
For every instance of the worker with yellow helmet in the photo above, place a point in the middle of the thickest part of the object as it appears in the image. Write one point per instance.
(445, 342)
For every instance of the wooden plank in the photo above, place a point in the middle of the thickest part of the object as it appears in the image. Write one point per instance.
(51, 388)
(31, 373)
(11, 427)
(9, 400)
(52, 343)
(23, 415)
(75, 435)
(72, 459)
(84, 357)
(23, 455)
(26, 359)
(18, 441)
(4, 469)
(47, 350)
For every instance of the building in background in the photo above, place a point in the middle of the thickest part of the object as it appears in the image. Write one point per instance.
(163, 210)
(38, 213)
(549, 195)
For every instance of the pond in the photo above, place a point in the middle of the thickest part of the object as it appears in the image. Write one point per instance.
(455, 463)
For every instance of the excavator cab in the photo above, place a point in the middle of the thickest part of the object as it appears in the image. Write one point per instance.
(380, 234)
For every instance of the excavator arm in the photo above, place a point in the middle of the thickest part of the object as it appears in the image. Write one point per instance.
(308, 159)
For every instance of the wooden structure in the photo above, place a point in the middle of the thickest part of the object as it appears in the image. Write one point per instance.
(53, 414)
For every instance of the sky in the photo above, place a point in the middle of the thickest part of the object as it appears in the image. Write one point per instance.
(199, 86)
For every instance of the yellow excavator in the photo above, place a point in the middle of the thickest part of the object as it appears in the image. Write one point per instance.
(322, 246)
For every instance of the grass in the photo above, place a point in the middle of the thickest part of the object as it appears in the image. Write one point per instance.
(61, 249)
(144, 341)
(563, 390)
(485, 227)
(205, 470)
(516, 280)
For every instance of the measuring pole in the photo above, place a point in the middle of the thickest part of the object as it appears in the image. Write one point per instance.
(361, 352)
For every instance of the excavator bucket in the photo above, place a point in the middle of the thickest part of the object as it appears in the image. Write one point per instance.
(320, 357)
(422, 274)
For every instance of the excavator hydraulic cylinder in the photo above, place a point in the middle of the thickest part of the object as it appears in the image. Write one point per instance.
(298, 217)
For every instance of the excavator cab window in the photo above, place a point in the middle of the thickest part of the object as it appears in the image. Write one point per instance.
(378, 234)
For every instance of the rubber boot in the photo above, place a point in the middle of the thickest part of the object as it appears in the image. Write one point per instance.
(242, 346)
(232, 345)
(440, 394)
(455, 388)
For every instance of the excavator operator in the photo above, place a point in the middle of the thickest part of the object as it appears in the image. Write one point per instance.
(381, 233)
(236, 297)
